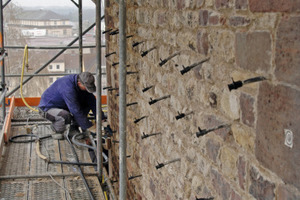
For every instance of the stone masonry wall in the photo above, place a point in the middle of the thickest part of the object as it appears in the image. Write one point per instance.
(242, 39)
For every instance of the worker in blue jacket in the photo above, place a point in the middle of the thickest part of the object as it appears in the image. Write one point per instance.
(68, 101)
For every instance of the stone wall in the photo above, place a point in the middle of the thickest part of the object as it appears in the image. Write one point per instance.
(242, 39)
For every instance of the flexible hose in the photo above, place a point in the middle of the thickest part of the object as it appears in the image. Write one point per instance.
(37, 139)
(76, 142)
(12, 139)
(38, 152)
(94, 145)
(43, 157)
(25, 62)
(80, 171)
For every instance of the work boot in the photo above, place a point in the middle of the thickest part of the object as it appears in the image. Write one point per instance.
(73, 131)
(56, 135)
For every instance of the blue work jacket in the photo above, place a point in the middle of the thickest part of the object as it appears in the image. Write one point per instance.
(65, 94)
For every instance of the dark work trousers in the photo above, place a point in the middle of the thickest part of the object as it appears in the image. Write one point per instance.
(59, 118)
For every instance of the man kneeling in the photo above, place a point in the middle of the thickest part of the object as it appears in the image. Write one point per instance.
(68, 101)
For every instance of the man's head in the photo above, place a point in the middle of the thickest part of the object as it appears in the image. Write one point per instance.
(87, 80)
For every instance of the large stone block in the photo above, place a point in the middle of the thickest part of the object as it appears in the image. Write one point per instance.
(253, 51)
(274, 5)
(288, 51)
(266, 21)
(278, 108)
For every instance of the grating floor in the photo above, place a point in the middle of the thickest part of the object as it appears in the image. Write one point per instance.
(23, 175)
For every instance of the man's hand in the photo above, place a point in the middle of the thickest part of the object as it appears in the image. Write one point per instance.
(92, 128)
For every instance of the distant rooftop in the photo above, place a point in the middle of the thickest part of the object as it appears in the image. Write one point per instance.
(40, 15)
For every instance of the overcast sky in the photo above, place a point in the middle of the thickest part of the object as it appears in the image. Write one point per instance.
(45, 3)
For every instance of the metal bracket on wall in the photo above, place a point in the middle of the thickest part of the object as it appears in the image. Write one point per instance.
(133, 177)
(153, 101)
(149, 135)
(210, 198)
(137, 43)
(182, 115)
(204, 131)
(137, 120)
(237, 84)
(188, 68)
(147, 88)
(164, 61)
(160, 165)
(115, 32)
(107, 31)
(144, 53)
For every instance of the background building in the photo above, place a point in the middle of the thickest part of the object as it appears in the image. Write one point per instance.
(38, 23)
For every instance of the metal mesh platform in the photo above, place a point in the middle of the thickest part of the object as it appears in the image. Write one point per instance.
(24, 175)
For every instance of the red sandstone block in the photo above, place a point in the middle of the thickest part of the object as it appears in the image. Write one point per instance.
(214, 20)
(253, 51)
(274, 5)
(288, 51)
(278, 109)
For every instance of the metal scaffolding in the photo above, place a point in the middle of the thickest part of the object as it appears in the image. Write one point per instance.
(63, 49)
(122, 100)
(98, 86)
(3, 85)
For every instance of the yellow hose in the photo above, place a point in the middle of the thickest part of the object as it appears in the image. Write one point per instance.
(25, 59)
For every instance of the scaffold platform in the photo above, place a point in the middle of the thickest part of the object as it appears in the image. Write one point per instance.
(24, 175)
